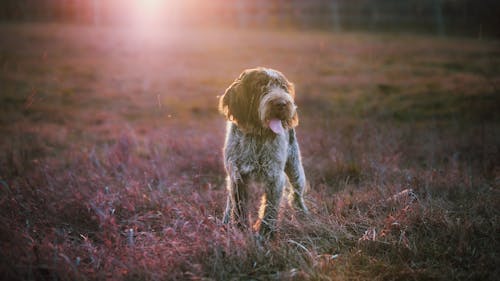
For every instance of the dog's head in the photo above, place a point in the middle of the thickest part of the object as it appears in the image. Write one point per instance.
(260, 100)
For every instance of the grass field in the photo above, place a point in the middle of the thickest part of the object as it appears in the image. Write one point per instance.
(111, 163)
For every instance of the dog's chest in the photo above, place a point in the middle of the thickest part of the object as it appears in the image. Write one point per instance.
(255, 154)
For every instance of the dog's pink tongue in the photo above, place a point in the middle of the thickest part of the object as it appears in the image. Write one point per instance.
(276, 126)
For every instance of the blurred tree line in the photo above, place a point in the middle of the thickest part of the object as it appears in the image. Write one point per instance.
(464, 17)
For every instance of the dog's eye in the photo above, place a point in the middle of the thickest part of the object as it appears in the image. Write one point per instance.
(280, 104)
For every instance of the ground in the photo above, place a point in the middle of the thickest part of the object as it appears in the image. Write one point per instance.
(110, 156)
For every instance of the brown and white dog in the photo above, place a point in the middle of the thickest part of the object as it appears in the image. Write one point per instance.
(261, 145)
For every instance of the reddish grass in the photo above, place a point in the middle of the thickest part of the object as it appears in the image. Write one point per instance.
(110, 161)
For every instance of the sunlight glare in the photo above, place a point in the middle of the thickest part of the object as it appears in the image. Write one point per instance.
(149, 12)
(152, 18)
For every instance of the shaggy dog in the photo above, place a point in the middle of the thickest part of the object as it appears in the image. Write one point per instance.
(261, 145)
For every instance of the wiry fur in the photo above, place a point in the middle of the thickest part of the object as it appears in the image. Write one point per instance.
(241, 101)
(253, 152)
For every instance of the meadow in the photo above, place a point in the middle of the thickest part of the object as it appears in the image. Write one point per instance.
(111, 155)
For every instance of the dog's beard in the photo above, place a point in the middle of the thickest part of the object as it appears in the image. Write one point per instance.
(272, 116)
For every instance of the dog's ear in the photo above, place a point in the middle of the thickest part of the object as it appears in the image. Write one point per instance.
(229, 102)
(294, 121)
(239, 104)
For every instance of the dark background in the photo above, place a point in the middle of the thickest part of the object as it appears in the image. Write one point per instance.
(442, 17)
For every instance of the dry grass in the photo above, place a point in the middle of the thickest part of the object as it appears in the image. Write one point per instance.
(111, 165)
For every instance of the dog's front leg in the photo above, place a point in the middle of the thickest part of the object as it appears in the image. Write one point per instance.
(295, 172)
(268, 214)
(236, 206)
